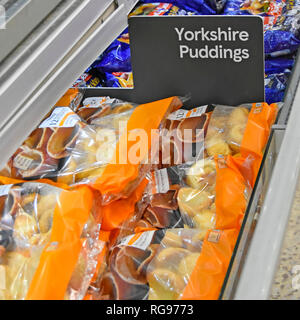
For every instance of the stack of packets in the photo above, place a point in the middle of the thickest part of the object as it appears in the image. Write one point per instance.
(54, 186)
(134, 201)
(281, 26)
(177, 240)
(163, 226)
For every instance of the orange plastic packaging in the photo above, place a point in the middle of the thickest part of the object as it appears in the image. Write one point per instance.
(232, 194)
(169, 264)
(260, 121)
(207, 278)
(241, 131)
(121, 178)
(44, 228)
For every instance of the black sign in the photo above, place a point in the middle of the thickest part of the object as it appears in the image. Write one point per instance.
(215, 59)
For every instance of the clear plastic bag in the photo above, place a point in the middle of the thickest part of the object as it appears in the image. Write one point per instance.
(192, 195)
(97, 107)
(111, 154)
(162, 265)
(43, 228)
(41, 153)
(182, 137)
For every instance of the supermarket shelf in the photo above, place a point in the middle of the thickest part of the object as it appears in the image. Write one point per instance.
(42, 68)
(261, 261)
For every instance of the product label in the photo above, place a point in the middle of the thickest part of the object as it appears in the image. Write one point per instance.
(139, 240)
(184, 114)
(22, 162)
(4, 190)
(214, 236)
(61, 117)
(161, 182)
(97, 102)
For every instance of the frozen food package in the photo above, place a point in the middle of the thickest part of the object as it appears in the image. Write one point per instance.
(167, 265)
(211, 193)
(281, 22)
(43, 228)
(119, 80)
(41, 153)
(206, 131)
(112, 153)
(242, 130)
(88, 80)
(257, 7)
(201, 7)
(275, 86)
(164, 8)
(121, 216)
(279, 64)
(182, 137)
(97, 107)
(117, 58)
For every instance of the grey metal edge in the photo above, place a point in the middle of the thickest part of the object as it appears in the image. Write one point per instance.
(25, 115)
(27, 16)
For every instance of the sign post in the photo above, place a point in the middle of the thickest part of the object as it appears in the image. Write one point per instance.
(214, 59)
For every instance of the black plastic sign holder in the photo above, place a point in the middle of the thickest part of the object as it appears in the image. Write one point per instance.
(213, 59)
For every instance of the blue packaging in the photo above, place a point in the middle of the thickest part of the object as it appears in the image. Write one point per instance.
(150, 8)
(281, 22)
(278, 65)
(283, 37)
(254, 7)
(201, 7)
(275, 86)
(119, 80)
(116, 57)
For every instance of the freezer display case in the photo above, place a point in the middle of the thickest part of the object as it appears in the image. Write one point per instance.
(36, 70)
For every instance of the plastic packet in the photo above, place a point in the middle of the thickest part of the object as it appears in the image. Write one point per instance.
(275, 86)
(169, 8)
(88, 80)
(96, 143)
(98, 107)
(205, 7)
(281, 23)
(114, 160)
(163, 265)
(278, 65)
(117, 57)
(257, 7)
(208, 194)
(182, 137)
(241, 131)
(231, 130)
(41, 153)
(119, 80)
(42, 228)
